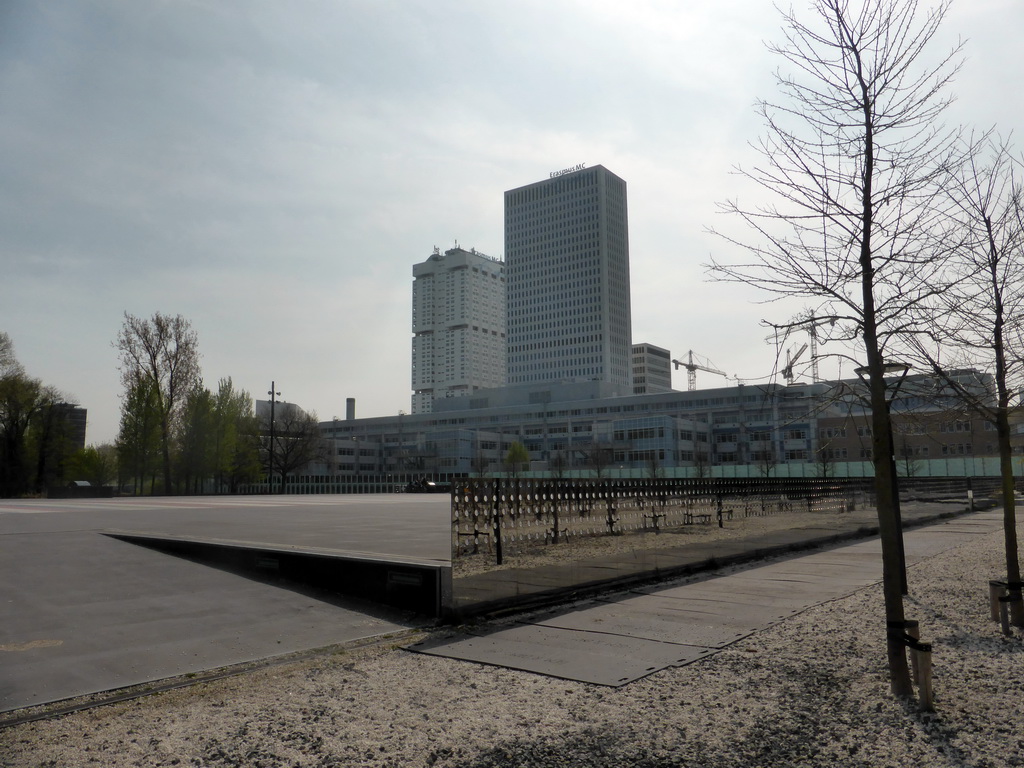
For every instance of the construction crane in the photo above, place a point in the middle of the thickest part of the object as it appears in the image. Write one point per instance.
(694, 363)
(787, 372)
(810, 324)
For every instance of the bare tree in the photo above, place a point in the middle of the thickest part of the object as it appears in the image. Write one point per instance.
(850, 159)
(479, 463)
(162, 352)
(558, 464)
(701, 463)
(766, 461)
(978, 316)
(654, 469)
(297, 441)
(8, 360)
(825, 461)
(906, 454)
(598, 456)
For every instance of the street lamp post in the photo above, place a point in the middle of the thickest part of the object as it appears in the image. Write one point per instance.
(270, 454)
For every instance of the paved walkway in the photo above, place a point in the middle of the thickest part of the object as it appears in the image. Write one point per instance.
(613, 641)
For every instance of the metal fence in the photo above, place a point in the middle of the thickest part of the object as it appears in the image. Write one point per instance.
(510, 515)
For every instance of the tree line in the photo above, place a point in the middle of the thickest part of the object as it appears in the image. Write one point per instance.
(178, 436)
(38, 446)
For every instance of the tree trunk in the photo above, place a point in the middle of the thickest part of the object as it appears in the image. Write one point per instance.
(889, 533)
(1009, 516)
(881, 428)
(165, 436)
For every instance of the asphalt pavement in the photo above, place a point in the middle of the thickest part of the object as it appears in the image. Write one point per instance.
(81, 612)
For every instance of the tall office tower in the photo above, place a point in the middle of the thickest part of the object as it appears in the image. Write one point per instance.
(652, 369)
(458, 325)
(567, 263)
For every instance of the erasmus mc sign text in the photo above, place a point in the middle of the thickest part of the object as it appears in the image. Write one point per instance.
(564, 171)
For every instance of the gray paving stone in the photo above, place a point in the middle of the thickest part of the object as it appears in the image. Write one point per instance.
(591, 657)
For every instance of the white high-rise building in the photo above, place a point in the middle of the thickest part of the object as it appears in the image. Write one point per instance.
(458, 325)
(567, 264)
(652, 369)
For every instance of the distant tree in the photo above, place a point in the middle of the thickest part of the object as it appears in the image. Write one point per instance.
(767, 461)
(905, 453)
(479, 463)
(236, 437)
(96, 463)
(701, 463)
(53, 442)
(162, 352)
(196, 441)
(26, 407)
(654, 470)
(8, 360)
(598, 457)
(138, 439)
(516, 458)
(297, 442)
(825, 459)
(558, 464)
(23, 402)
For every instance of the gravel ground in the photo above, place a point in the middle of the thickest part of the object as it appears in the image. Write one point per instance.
(811, 691)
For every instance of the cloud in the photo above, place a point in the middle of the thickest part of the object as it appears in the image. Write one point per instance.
(273, 170)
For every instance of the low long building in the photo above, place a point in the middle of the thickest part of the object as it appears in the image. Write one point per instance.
(747, 430)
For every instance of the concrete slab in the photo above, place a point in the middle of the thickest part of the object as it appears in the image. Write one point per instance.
(823, 587)
(649, 619)
(742, 608)
(728, 594)
(602, 659)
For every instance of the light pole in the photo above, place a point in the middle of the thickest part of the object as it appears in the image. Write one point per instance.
(270, 454)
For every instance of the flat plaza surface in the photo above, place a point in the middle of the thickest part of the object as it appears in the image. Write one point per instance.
(81, 612)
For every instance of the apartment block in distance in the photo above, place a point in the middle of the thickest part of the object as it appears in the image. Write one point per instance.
(458, 325)
(652, 369)
(567, 264)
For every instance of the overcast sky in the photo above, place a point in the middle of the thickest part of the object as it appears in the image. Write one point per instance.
(272, 170)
